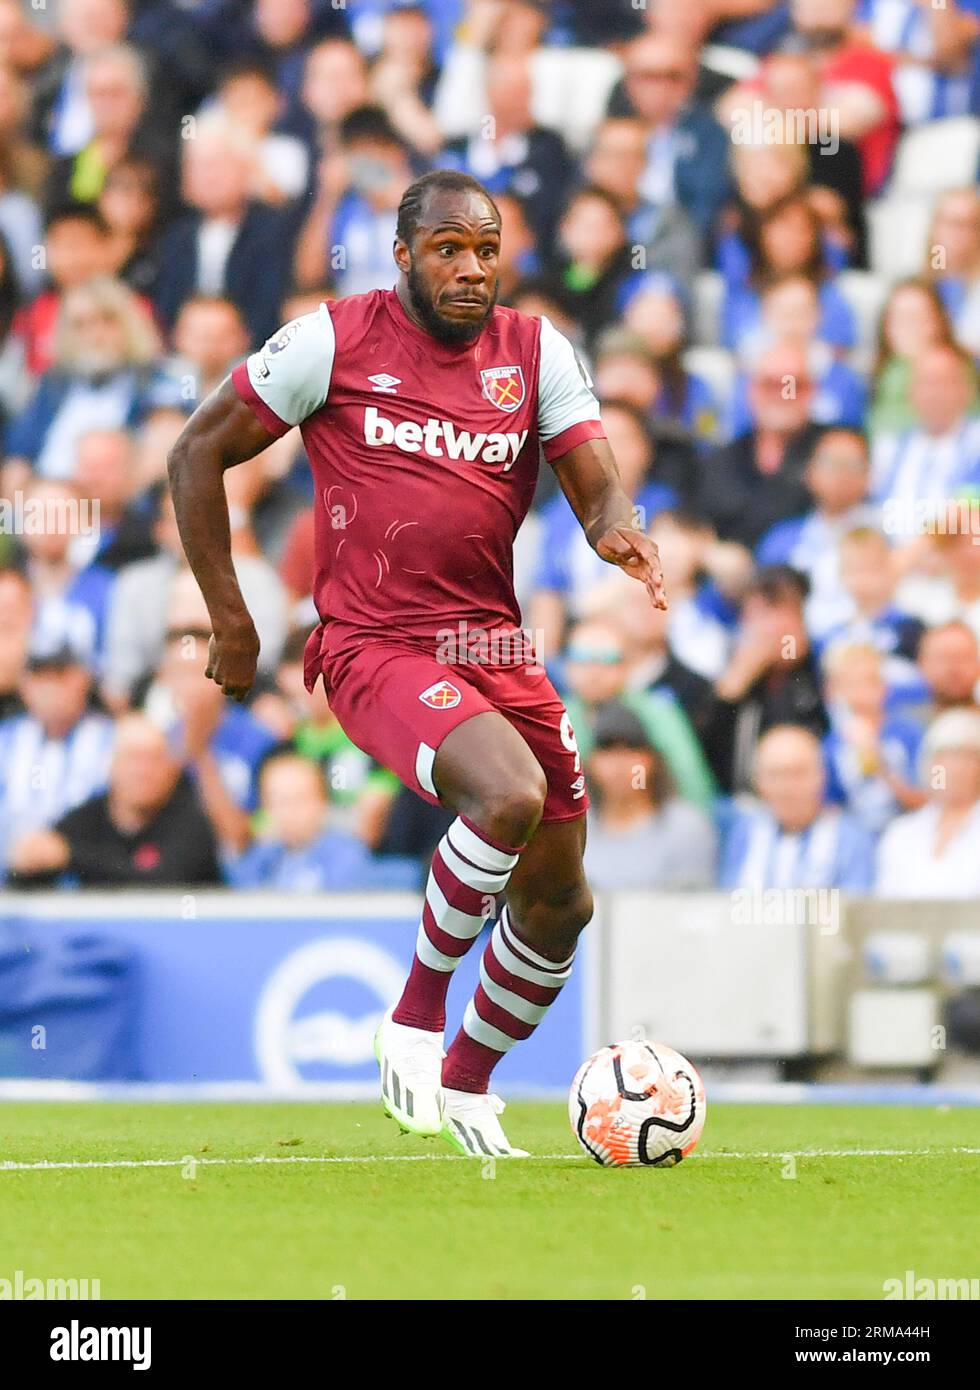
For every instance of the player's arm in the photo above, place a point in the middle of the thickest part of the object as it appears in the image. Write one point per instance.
(574, 443)
(589, 479)
(222, 432)
(275, 389)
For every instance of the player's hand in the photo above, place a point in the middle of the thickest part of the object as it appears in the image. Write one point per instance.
(233, 656)
(636, 554)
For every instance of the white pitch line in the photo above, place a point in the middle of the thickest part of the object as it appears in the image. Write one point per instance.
(45, 1165)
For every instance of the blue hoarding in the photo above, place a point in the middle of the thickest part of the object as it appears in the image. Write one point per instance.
(255, 988)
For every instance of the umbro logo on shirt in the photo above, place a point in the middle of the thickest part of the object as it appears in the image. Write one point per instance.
(384, 382)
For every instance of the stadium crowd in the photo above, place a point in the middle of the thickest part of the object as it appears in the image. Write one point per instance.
(760, 225)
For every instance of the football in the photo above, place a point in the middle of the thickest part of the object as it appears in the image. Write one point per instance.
(636, 1104)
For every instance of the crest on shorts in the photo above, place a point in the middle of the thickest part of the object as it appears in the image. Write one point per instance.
(503, 387)
(442, 695)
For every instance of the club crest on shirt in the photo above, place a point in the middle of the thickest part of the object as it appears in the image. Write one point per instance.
(442, 695)
(503, 387)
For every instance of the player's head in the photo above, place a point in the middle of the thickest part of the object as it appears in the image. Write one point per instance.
(446, 247)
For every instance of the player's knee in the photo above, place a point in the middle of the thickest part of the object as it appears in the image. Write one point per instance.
(570, 912)
(510, 813)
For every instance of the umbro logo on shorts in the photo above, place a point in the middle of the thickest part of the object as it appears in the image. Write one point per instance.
(442, 695)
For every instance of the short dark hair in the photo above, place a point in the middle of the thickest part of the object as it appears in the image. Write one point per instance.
(777, 583)
(77, 212)
(412, 205)
(369, 122)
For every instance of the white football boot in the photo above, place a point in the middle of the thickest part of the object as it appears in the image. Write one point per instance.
(411, 1076)
(472, 1127)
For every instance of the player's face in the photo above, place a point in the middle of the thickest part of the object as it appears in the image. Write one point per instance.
(451, 267)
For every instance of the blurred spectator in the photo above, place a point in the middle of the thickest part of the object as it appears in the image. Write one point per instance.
(765, 177)
(663, 231)
(228, 244)
(249, 100)
(596, 671)
(518, 258)
(22, 169)
(70, 595)
(116, 87)
(685, 402)
(790, 314)
(791, 83)
(932, 853)
(924, 467)
(298, 851)
(954, 260)
(949, 661)
(62, 111)
(103, 474)
(335, 83)
(871, 756)
(350, 230)
(133, 206)
(104, 375)
(360, 792)
(179, 694)
(55, 754)
(640, 835)
(146, 830)
(16, 619)
(747, 486)
(702, 613)
(836, 477)
(652, 661)
(511, 152)
(792, 839)
(210, 337)
(781, 241)
(914, 318)
(13, 378)
(856, 82)
(76, 249)
(868, 575)
(687, 151)
(953, 592)
(155, 593)
(934, 45)
(594, 260)
(771, 678)
(568, 567)
(404, 73)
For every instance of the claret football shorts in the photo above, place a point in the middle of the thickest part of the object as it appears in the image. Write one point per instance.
(398, 704)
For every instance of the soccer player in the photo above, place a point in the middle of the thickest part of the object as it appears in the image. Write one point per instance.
(423, 410)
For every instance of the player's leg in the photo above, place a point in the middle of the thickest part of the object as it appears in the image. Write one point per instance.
(484, 771)
(525, 963)
(446, 743)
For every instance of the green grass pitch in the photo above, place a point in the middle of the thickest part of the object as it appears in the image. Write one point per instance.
(766, 1208)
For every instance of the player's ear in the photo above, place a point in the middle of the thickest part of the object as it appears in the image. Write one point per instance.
(403, 256)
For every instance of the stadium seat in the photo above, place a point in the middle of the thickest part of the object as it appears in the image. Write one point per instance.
(936, 156)
(865, 294)
(898, 227)
(709, 290)
(571, 90)
(717, 367)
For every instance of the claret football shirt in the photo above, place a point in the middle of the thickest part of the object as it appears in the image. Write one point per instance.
(424, 457)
